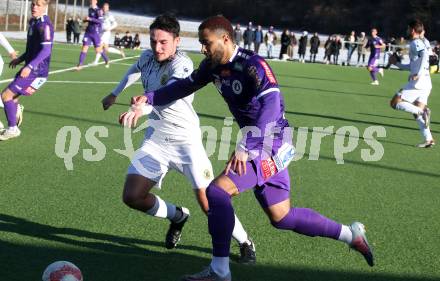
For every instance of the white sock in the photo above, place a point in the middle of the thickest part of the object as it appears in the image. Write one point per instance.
(426, 132)
(114, 51)
(162, 209)
(239, 233)
(98, 56)
(409, 107)
(220, 265)
(1, 103)
(346, 235)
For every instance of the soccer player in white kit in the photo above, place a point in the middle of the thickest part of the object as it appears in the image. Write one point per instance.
(413, 98)
(173, 141)
(108, 25)
(12, 54)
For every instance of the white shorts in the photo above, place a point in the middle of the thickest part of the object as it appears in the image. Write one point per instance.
(105, 38)
(411, 94)
(153, 160)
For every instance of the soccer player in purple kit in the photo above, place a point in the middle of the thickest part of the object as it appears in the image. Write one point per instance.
(375, 43)
(93, 32)
(250, 89)
(34, 74)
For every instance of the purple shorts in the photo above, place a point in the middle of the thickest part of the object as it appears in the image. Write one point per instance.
(274, 189)
(92, 38)
(372, 62)
(26, 86)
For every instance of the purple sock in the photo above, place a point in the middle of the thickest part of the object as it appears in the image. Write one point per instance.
(310, 223)
(373, 74)
(82, 57)
(11, 112)
(104, 56)
(220, 220)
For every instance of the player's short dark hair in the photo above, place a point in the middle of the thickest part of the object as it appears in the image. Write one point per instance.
(168, 23)
(218, 23)
(417, 25)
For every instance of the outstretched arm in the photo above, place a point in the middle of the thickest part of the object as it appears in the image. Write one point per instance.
(133, 74)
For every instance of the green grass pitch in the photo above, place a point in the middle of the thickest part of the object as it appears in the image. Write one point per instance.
(49, 213)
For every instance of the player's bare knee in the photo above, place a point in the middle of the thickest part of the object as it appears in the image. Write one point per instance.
(135, 188)
(278, 212)
(225, 183)
(394, 101)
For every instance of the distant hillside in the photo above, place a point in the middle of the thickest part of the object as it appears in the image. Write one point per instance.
(326, 16)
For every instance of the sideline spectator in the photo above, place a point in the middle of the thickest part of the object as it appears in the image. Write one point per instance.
(291, 48)
(77, 25)
(258, 39)
(69, 29)
(336, 48)
(314, 46)
(328, 49)
(285, 42)
(136, 42)
(248, 36)
(238, 35)
(361, 48)
(350, 45)
(127, 40)
(117, 43)
(302, 47)
(270, 39)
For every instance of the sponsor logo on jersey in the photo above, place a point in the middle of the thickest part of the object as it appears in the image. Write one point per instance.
(207, 174)
(253, 73)
(237, 87)
(268, 168)
(268, 72)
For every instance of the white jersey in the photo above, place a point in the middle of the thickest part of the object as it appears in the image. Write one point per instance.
(419, 52)
(109, 22)
(4, 42)
(176, 121)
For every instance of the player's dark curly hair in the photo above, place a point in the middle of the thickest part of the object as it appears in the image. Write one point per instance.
(168, 23)
(218, 23)
(417, 25)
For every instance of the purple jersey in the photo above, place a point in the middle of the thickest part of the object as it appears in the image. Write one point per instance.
(372, 42)
(248, 86)
(96, 18)
(39, 45)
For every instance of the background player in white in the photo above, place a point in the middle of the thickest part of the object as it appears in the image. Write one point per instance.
(12, 54)
(108, 25)
(174, 139)
(413, 98)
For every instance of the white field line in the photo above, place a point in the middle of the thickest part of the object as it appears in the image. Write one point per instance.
(74, 68)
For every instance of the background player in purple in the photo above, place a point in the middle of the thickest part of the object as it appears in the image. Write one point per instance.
(92, 35)
(260, 161)
(34, 74)
(375, 43)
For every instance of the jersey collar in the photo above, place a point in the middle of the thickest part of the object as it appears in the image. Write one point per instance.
(234, 54)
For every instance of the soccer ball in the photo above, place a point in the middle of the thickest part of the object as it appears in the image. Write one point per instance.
(62, 271)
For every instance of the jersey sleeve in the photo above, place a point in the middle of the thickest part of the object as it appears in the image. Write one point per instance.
(46, 37)
(181, 88)
(181, 69)
(46, 34)
(260, 77)
(267, 93)
(4, 42)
